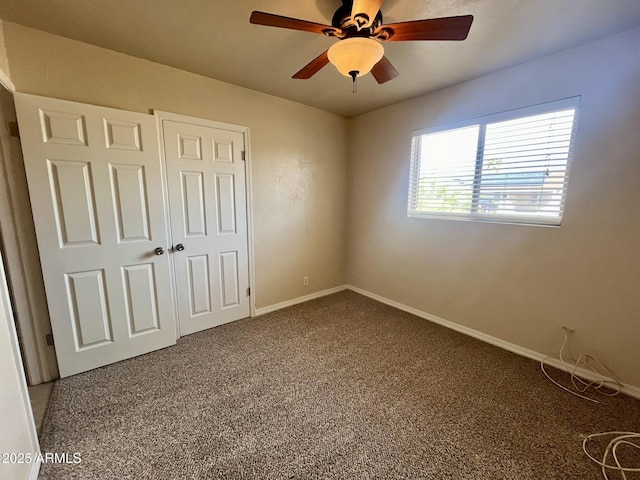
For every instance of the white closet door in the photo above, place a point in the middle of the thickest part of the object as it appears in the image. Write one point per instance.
(207, 198)
(95, 181)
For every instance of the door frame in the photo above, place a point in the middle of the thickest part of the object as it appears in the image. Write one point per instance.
(14, 388)
(161, 116)
(31, 314)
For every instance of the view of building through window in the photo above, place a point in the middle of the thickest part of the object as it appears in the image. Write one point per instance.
(506, 170)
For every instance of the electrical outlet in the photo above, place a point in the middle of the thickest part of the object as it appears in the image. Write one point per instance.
(305, 280)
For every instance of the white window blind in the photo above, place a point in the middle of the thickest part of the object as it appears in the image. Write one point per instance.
(510, 167)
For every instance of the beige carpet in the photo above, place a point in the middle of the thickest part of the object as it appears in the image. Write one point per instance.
(339, 387)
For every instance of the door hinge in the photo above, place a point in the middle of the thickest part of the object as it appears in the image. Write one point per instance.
(49, 338)
(243, 155)
(14, 131)
(249, 292)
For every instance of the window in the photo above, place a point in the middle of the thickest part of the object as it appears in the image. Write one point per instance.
(509, 167)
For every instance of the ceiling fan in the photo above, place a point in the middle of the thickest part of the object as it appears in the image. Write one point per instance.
(359, 27)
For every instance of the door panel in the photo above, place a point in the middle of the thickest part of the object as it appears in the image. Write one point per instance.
(230, 280)
(199, 288)
(63, 127)
(193, 204)
(73, 201)
(95, 182)
(226, 200)
(207, 198)
(86, 292)
(130, 202)
(141, 298)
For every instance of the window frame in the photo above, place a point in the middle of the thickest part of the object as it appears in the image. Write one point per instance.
(474, 215)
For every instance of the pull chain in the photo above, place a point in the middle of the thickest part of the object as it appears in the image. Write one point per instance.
(354, 76)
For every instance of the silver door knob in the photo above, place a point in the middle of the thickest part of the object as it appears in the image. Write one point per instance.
(159, 251)
(179, 247)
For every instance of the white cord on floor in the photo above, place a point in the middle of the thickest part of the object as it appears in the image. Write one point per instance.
(589, 363)
(619, 438)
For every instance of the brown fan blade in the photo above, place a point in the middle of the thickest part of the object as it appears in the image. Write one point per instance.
(271, 20)
(448, 28)
(383, 71)
(363, 12)
(312, 67)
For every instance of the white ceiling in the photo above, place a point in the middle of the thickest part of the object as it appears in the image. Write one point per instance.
(214, 38)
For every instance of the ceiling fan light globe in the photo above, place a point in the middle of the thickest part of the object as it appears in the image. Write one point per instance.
(355, 54)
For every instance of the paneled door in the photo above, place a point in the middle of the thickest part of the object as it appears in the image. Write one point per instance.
(95, 181)
(207, 198)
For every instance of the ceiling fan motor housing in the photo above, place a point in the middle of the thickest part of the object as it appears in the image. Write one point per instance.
(352, 26)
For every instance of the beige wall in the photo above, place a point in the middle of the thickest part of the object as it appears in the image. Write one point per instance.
(298, 152)
(517, 283)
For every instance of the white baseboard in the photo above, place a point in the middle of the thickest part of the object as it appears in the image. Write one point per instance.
(630, 390)
(295, 301)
